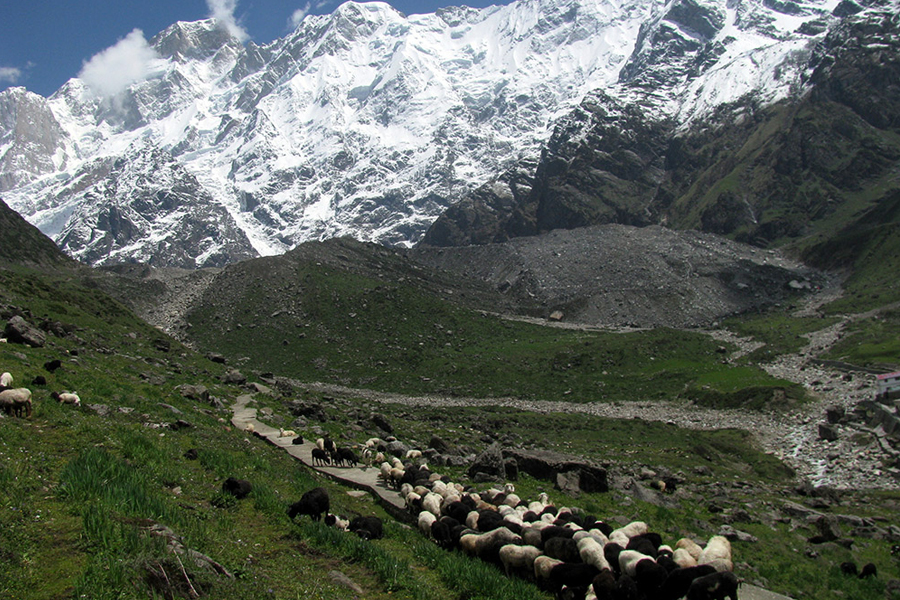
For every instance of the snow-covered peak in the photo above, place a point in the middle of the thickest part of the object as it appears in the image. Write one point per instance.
(368, 122)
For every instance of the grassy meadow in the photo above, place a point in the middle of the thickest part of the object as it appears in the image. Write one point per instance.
(82, 488)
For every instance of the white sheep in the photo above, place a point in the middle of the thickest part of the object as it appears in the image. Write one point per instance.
(6, 380)
(405, 490)
(689, 545)
(683, 558)
(543, 564)
(413, 454)
(320, 444)
(396, 476)
(628, 560)
(717, 553)
(512, 500)
(385, 469)
(66, 398)
(286, 433)
(16, 401)
(426, 520)
(412, 501)
(250, 428)
(591, 552)
(432, 503)
(481, 544)
(516, 558)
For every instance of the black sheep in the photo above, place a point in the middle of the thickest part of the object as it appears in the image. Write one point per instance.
(312, 503)
(368, 528)
(489, 520)
(604, 585)
(679, 581)
(441, 534)
(329, 446)
(666, 561)
(458, 511)
(564, 549)
(320, 457)
(849, 568)
(868, 570)
(626, 589)
(297, 441)
(347, 456)
(555, 531)
(578, 575)
(239, 488)
(715, 586)
(649, 577)
(611, 552)
(642, 545)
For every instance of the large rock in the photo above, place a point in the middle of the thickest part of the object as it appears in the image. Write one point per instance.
(311, 410)
(489, 465)
(19, 331)
(544, 464)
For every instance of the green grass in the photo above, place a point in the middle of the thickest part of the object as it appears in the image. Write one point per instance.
(357, 331)
(780, 332)
(872, 343)
(78, 488)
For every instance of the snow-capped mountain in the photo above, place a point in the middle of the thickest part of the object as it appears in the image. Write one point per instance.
(366, 122)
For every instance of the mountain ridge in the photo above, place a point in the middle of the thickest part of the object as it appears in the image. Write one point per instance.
(370, 123)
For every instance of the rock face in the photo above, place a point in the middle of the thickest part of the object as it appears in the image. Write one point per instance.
(613, 160)
(548, 465)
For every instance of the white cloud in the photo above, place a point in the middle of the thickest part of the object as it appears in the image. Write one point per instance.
(300, 14)
(10, 74)
(114, 69)
(223, 12)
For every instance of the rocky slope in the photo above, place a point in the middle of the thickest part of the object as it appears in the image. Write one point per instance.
(766, 174)
(370, 123)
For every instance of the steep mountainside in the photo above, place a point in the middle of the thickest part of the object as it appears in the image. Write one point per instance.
(24, 244)
(763, 174)
(370, 123)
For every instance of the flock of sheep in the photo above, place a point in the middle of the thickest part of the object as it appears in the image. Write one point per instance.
(17, 401)
(563, 550)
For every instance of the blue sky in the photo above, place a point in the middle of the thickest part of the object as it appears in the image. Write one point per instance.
(43, 43)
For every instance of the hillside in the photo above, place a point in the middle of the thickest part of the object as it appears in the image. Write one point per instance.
(85, 487)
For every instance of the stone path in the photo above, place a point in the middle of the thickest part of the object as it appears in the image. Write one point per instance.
(367, 478)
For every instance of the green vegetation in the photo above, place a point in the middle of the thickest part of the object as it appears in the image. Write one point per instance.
(872, 342)
(84, 491)
(357, 331)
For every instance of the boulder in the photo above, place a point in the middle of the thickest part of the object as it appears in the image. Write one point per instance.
(439, 444)
(569, 483)
(234, 377)
(311, 410)
(19, 331)
(396, 448)
(489, 465)
(544, 464)
(828, 432)
(382, 423)
(194, 392)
